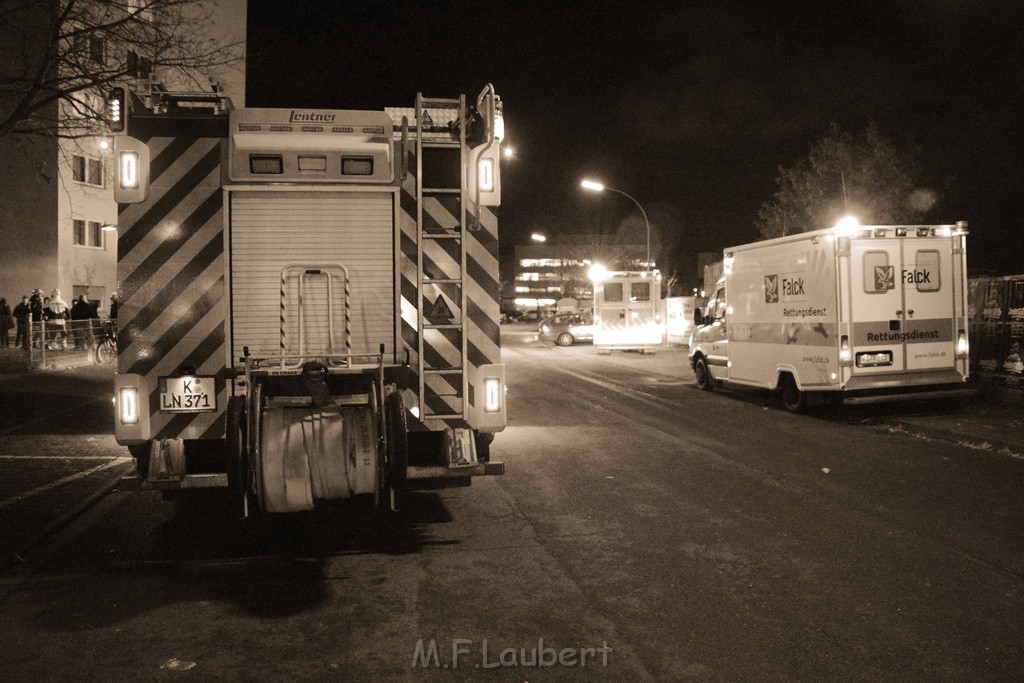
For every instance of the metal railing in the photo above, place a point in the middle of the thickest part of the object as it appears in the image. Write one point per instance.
(67, 343)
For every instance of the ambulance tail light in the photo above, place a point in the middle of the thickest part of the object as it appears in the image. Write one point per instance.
(128, 405)
(493, 391)
(962, 347)
(845, 357)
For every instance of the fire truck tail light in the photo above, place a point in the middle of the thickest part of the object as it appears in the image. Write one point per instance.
(128, 405)
(492, 395)
(486, 174)
(132, 158)
(961, 344)
(117, 108)
(128, 170)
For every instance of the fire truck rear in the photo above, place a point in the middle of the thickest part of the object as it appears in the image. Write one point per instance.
(309, 298)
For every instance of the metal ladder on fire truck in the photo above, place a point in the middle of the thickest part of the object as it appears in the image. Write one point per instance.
(437, 148)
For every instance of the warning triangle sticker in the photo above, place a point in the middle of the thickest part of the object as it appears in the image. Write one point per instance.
(440, 309)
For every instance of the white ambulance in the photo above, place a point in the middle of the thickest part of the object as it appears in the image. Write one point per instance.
(856, 313)
(627, 309)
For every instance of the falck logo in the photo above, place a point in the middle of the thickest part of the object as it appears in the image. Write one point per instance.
(771, 289)
(885, 278)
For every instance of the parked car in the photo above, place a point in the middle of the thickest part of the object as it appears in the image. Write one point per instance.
(533, 316)
(565, 329)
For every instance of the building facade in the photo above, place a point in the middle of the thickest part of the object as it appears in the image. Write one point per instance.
(549, 271)
(58, 217)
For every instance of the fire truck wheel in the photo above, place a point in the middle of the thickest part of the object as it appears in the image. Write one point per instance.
(794, 399)
(704, 379)
(565, 339)
(397, 427)
(234, 448)
(141, 454)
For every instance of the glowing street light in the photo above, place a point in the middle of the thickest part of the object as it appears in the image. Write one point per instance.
(538, 237)
(595, 186)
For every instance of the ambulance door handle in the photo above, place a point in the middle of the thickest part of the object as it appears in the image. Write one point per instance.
(911, 313)
(899, 313)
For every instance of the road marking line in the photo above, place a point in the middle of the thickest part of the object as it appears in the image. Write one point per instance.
(64, 480)
(64, 457)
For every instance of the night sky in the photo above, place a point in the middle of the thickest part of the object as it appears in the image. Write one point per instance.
(688, 106)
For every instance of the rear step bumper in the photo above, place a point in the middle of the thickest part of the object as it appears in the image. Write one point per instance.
(418, 478)
(906, 396)
(134, 482)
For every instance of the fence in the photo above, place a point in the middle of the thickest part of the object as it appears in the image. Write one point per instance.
(997, 328)
(66, 343)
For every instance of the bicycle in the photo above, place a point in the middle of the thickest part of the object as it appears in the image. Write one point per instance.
(106, 349)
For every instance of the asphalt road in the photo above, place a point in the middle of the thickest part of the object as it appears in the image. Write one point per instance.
(659, 532)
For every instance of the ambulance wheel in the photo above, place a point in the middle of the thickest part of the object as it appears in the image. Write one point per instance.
(704, 379)
(794, 399)
(141, 454)
(397, 427)
(234, 447)
(565, 339)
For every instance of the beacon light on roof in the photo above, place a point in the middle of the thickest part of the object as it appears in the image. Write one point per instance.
(846, 227)
(597, 272)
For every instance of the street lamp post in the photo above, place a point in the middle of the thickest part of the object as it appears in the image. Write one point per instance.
(600, 187)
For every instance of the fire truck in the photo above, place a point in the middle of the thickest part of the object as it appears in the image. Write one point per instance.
(309, 298)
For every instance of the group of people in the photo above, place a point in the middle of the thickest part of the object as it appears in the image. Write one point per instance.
(55, 312)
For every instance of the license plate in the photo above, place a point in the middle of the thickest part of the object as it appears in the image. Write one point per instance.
(874, 359)
(187, 395)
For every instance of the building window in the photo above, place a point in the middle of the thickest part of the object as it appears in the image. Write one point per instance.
(87, 233)
(87, 170)
(97, 51)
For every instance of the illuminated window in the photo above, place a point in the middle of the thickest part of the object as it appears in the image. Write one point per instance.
(316, 164)
(541, 262)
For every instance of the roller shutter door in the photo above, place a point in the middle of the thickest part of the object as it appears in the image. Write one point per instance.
(272, 230)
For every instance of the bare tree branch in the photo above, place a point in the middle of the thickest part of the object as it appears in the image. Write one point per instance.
(863, 174)
(57, 58)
